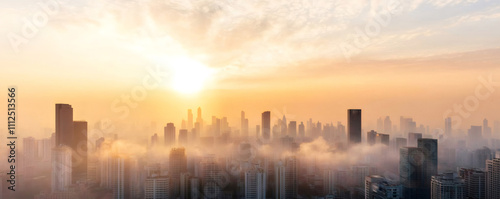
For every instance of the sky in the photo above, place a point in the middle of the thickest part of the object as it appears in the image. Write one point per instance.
(305, 59)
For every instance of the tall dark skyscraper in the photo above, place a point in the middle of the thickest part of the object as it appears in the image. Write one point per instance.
(64, 125)
(430, 150)
(80, 151)
(266, 125)
(169, 134)
(354, 126)
(411, 172)
(177, 165)
(292, 128)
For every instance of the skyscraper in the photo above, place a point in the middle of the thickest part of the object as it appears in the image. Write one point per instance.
(156, 187)
(244, 124)
(413, 139)
(255, 184)
(199, 118)
(169, 134)
(475, 183)
(447, 186)
(292, 128)
(447, 126)
(371, 136)
(486, 129)
(177, 165)
(80, 151)
(387, 125)
(64, 125)
(61, 168)
(430, 150)
(291, 180)
(354, 126)
(382, 139)
(493, 179)
(411, 172)
(183, 137)
(266, 125)
(302, 130)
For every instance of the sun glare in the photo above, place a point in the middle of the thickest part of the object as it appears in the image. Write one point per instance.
(189, 75)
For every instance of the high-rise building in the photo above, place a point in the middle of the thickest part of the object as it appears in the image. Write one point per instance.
(64, 125)
(387, 125)
(61, 168)
(291, 180)
(156, 187)
(177, 165)
(302, 130)
(169, 135)
(447, 186)
(411, 172)
(266, 125)
(371, 136)
(354, 126)
(413, 138)
(378, 187)
(183, 137)
(244, 125)
(382, 139)
(493, 179)
(255, 184)
(329, 176)
(154, 140)
(486, 129)
(475, 183)
(400, 143)
(280, 181)
(185, 186)
(447, 126)
(79, 151)
(210, 173)
(190, 120)
(199, 118)
(496, 129)
(475, 136)
(430, 150)
(292, 128)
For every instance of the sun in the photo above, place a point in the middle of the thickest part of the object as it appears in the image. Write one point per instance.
(189, 76)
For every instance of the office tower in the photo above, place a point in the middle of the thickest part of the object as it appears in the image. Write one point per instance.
(382, 139)
(195, 188)
(185, 186)
(371, 136)
(177, 165)
(61, 168)
(407, 125)
(224, 125)
(302, 131)
(475, 136)
(266, 125)
(154, 140)
(447, 186)
(156, 187)
(475, 183)
(210, 174)
(413, 138)
(183, 124)
(199, 118)
(291, 177)
(354, 126)
(430, 150)
(292, 128)
(64, 125)
(493, 179)
(378, 187)
(358, 174)
(80, 151)
(183, 137)
(279, 181)
(380, 125)
(447, 126)
(486, 129)
(169, 135)
(479, 157)
(283, 126)
(329, 176)
(190, 120)
(244, 125)
(411, 172)
(255, 184)
(400, 143)
(119, 178)
(387, 125)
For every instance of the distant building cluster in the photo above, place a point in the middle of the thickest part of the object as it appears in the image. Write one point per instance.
(216, 160)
